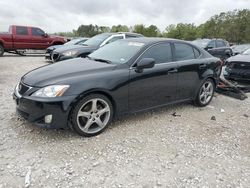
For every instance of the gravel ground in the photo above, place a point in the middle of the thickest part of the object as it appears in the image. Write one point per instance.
(153, 149)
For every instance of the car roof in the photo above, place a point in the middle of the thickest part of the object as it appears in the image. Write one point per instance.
(126, 33)
(151, 40)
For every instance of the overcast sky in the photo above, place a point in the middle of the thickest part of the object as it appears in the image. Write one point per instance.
(66, 15)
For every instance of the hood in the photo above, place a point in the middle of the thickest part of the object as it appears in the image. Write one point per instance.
(78, 48)
(239, 58)
(54, 47)
(63, 72)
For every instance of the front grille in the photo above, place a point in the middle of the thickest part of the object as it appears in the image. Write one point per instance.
(22, 88)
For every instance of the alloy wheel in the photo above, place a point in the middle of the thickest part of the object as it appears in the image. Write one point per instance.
(93, 116)
(206, 92)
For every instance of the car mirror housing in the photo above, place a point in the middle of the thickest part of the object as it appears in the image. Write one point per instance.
(45, 35)
(145, 63)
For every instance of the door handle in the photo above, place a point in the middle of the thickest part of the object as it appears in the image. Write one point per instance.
(202, 66)
(171, 71)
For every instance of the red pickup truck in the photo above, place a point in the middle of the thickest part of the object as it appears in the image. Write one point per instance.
(23, 37)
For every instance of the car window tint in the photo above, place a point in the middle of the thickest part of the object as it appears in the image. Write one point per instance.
(211, 44)
(37, 32)
(183, 52)
(220, 43)
(21, 30)
(196, 53)
(114, 39)
(131, 36)
(161, 53)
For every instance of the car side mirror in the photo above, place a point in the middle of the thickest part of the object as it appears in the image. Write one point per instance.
(145, 63)
(45, 35)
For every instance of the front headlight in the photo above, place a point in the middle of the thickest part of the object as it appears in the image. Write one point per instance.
(69, 53)
(51, 91)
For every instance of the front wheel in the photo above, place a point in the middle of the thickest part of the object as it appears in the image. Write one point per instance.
(205, 93)
(91, 115)
(1, 50)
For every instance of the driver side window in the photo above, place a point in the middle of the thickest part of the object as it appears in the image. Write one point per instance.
(161, 53)
(37, 32)
(211, 44)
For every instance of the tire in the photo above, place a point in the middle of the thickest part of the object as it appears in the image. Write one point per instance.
(91, 115)
(1, 50)
(205, 93)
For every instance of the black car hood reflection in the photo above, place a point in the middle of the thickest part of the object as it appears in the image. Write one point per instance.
(61, 73)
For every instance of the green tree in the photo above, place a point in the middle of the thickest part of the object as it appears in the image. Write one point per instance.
(119, 28)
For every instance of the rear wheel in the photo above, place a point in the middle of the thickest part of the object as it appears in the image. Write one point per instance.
(205, 93)
(1, 50)
(91, 115)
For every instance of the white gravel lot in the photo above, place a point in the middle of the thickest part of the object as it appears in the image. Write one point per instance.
(153, 149)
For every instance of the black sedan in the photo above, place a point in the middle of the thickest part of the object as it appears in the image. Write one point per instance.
(94, 43)
(123, 77)
(49, 50)
(238, 68)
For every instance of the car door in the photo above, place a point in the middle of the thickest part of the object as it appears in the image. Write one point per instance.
(189, 67)
(154, 86)
(39, 39)
(21, 38)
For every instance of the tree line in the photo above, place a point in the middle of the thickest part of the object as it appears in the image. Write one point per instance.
(233, 26)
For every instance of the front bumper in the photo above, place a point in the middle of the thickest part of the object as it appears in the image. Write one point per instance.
(35, 109)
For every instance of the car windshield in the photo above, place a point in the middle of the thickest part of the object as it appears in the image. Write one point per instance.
(118, 52)
(201, 42)
(97, 40)
(73, 41)
(247, 52)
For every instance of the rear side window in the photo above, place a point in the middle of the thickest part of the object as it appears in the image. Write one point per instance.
(183, 52)
(21, 30)
(37, 32)
(161, 53)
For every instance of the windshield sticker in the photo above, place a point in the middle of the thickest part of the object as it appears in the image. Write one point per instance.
(135, 44)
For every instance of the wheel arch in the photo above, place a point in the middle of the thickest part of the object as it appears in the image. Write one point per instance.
(91, 92)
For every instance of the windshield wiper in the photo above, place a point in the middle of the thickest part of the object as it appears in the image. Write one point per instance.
(100, 60)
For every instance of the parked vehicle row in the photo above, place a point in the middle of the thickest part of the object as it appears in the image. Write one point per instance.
(23, 37)
(125, 76)
(83, 49)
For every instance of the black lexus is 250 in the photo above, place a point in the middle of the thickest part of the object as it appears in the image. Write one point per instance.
(126, 76)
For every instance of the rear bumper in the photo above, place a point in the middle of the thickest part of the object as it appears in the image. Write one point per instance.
(35, 110)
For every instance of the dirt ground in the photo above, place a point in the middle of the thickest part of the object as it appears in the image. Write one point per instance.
(153, 149)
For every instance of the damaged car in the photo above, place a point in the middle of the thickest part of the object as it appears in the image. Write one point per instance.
(238, 67)
(126, 76)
